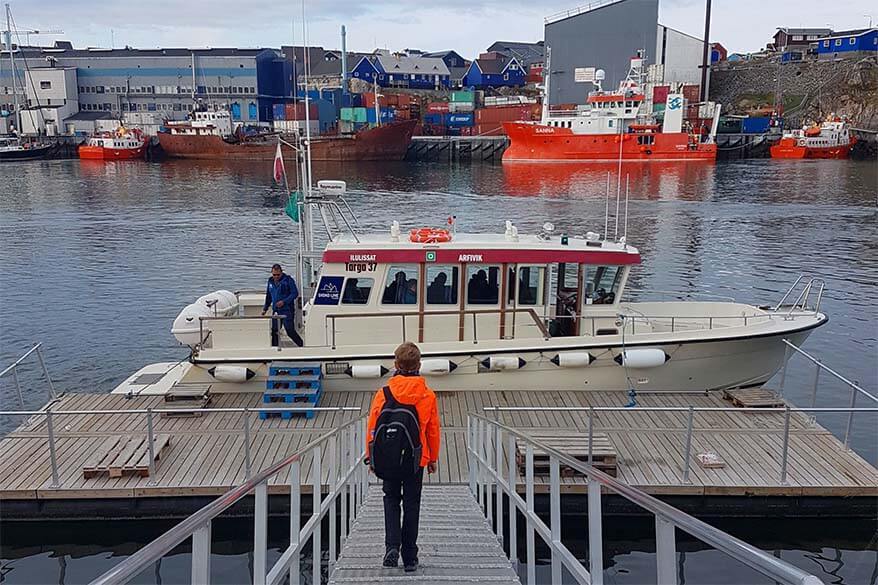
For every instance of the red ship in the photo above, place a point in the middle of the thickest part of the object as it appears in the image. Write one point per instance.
(123, 144)
(832, 139)
(610, 128)
(206, 137)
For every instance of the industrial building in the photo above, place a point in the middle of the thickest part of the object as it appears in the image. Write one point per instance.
(166, 82)
(605, 35)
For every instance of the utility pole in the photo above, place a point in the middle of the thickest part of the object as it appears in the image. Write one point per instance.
(705, 58)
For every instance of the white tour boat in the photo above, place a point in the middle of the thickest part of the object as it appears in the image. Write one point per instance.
(489, 311)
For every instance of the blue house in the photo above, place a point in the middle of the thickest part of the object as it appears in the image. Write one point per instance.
(365, 69)
(404, 71)
(848, 43)
(495, 70)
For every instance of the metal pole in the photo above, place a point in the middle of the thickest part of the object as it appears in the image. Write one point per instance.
(260, 533)
(316, 498)
(470, 443)
(688, 450)
(529, 495)
(786, 445)
(201, 554)
(46, 372)
(705, 58)
(513, 491)
(332, 486)
(295, 518)
(590, 435)
(816, 381)
(555, 517)
(18, 387)
(479, 439)
(847, 430)
(783, 371)
(247, 461)
(498, 459)
(489, 480)
(346, 458)
(595, 536)
(665, 551)
(150, 439)
(52, 459)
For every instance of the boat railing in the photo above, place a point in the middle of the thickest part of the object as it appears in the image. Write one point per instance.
(678, 295)
(803, 288)
(340, 450)
(332, 331)
(52, 419)
(12, 369)
(489, 482)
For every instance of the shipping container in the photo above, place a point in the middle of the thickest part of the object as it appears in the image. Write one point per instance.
(460, 119)
(660, 94)
(692, 93)
(729, 126)
(434, 119)
(295, 126)
(462, 96)
(360, 115)
(369, 100)
(313, 94)
(387, 115)
(507, 113)
(755, 125)
(454, 107)
(347, 114)
(278, 111)
(437, 107)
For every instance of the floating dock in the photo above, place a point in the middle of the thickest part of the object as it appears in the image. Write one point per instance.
(207, 455)
(457, 148)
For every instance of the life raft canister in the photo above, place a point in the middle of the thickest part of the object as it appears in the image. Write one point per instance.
(430, 235)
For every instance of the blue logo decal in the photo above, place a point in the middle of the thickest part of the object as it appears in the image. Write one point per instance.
(675, 103)
(329, 291)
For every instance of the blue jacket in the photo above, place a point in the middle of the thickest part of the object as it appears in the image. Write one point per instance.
(284, 290)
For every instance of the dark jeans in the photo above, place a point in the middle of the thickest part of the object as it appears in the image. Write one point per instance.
(289, 325)
(408, 492)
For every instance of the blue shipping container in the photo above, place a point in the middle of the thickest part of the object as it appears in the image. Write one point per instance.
(755, 125)
(434, 119)
(460, 119)
(387, 115)
(278, 111)
(313, 94)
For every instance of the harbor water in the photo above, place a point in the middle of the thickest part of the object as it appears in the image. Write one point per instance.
(96, 260)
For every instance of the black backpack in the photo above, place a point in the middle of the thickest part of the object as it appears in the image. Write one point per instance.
(396, 448)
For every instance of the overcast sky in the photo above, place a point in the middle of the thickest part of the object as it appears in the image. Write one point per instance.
(464, 25)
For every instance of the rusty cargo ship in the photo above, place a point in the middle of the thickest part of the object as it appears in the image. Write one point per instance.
(204, 138)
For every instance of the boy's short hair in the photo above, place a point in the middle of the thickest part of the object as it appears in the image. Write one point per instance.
(408, 357)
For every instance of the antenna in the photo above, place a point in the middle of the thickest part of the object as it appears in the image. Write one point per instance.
(627, 184)
(607, 208)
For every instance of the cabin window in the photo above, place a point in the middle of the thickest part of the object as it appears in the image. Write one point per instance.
(442, 285)
(602, 283)
(401, 287)
(531, 281)
(483, 284)
(356, 291)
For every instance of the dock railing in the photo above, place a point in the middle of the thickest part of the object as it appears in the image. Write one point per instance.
(149, 426)
(485, 444)
(343, 453)
(12, 369)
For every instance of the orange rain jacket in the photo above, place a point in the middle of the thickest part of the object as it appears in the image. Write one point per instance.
(411, 390)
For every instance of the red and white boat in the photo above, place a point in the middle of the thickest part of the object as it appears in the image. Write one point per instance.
(122, 144)
(832, 139)
(614, 125)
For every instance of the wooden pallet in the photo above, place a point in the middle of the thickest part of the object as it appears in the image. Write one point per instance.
(753, 398)
(573, 444)
(123, 455)
(188, 396)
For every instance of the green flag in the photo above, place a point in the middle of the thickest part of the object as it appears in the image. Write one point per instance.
(292, 207)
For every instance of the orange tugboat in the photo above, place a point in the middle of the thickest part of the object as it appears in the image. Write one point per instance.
(123, 144)
(612, 127)
(832, 139)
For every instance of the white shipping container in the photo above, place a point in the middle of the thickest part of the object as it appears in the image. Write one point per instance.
(296, 126)
(454, 107)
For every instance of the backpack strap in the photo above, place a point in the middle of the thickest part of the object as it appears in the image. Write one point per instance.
(388, 396)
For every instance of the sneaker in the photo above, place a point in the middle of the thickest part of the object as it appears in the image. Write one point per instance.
(411, 566)
(391, 558)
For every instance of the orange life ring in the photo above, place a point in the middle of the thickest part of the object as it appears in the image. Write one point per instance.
(430, 235)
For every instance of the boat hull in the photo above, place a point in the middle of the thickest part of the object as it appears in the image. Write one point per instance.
(694, 365)
(102, 153)
(387, 142)
(789, 148)
(26, 154)
(535, 142)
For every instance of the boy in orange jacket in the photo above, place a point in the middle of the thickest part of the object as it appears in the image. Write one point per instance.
(408, 387)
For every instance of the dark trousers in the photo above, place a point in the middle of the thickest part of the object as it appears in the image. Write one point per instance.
(289, 326)
(407, 492)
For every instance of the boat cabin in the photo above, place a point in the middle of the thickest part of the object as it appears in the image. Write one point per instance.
(465, 288)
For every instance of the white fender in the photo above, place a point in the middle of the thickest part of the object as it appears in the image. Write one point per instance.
(366, 371)
(186, 326)
(437, 367)
(234, 374)
(642, 358)
(572, 359)
(503, 362)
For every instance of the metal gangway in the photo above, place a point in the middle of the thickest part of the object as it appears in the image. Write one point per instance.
(483, 516)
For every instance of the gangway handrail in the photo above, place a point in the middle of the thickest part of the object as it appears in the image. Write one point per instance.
(820, 365)
(13, 368)
(487, 481)
(345, 459)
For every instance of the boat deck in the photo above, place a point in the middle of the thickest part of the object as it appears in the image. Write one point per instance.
(206, 454)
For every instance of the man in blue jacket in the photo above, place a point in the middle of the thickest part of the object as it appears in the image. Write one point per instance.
(281, 295)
